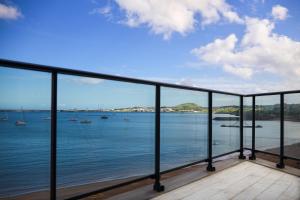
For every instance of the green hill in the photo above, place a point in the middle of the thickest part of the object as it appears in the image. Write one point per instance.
(189, 107)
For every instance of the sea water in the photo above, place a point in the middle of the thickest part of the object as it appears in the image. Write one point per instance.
(118, 147)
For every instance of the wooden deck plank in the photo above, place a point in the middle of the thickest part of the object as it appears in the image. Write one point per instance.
(171, 183)
(243, 181)
(252, 180)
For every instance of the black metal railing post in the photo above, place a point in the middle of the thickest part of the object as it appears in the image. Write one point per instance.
(281, 161)
(210, 166)
(53, 135)
(253, 156)
(241, 156)
(157, 185)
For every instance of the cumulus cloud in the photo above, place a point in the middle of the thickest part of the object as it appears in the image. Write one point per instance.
(168, 16)
(279, 12)
(259, 50)
(9, 12)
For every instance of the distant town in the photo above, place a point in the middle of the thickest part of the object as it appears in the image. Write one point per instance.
(264, 112)
(185, 107)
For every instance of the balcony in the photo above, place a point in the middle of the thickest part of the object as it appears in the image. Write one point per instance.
(68, 134)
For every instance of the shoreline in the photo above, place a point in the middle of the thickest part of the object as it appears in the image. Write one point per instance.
(291, 150)
(69, 191)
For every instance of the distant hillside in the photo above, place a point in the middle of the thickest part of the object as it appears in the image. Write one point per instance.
(233, 110)
(189, 107)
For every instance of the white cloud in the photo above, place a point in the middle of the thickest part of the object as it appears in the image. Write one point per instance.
(240, 86)
(92, 81)
(84, 80)
(260, 50)
(168, 16)
(103, 10)
(9, 12)
(279, 12)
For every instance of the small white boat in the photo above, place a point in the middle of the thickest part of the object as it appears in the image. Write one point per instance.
(20, 123)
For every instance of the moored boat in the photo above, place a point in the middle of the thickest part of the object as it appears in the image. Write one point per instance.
(20, 123)
(85, 121)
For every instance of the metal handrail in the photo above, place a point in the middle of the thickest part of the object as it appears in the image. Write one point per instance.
(55, 71)
(59, 70)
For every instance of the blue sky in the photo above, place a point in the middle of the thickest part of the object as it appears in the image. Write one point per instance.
(238, 46)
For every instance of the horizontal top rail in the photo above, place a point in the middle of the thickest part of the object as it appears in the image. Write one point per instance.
(46, 68)
(273, 93)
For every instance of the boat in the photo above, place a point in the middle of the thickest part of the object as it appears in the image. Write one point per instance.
(85, 121)
(4, 118)
(21, 122)
(104, 117)
(126, 119)
(47, 118)
(237, 126)
(73, 120)
(227, 118)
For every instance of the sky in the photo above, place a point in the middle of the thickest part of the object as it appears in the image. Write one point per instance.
(243, 46)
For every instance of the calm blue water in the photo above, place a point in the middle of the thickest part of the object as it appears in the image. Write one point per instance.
(106, 149)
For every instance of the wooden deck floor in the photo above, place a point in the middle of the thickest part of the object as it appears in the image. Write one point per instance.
(246, 180)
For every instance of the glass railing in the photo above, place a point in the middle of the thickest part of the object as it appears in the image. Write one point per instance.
(267, 124)
(247, 128)
(183, 127)
(226, 123)
(292, 125)
(69, 134)
(24, 132)
(105, 133)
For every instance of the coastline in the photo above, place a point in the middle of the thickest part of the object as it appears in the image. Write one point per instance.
(292, 150)
(67, 192)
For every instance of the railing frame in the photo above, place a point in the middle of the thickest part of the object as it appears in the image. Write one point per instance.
(281, 157)
(157, 185)
(210, 167)
(53, 135)
(253, 157)
(54, 71)
(241, 156)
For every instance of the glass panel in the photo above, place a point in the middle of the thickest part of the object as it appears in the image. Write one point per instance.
(105, 133)
(183, 127)
(267, 125)
(226, 124)
(247, 122)
(24, 134)
(292, 125)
